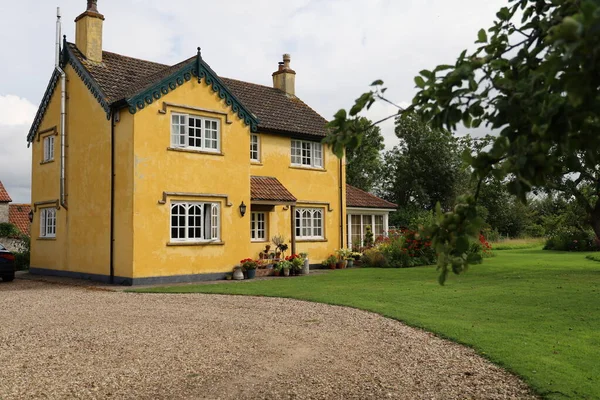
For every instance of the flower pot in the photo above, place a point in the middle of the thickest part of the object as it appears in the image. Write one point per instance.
(276, 272)
(286, 272)
(332, 266)
(238, 275)
(351, 263)
(251, 273)
(306, 267)
(340, 265)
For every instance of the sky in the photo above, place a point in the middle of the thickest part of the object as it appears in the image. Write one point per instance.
(337, 47)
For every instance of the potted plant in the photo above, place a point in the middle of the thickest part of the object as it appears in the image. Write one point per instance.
(249, 265)
(278, 240)
(297, 264)
(343, 255)
(330, 262)
(306, 265)
(285, 267)
(277, 269)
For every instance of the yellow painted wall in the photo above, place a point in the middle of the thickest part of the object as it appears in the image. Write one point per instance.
(47, 253)
(158, 170)
(83, 230)
(307, 185)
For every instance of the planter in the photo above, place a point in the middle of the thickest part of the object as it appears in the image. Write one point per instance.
(286, 272)
(238, 275)
(276, 272)
(306, 267)
(251, 273)
(351, 263)
(332, 266)
(341, 264)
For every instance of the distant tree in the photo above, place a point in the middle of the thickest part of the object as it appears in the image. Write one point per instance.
(425, 168)
(364, 163)
(536, 80)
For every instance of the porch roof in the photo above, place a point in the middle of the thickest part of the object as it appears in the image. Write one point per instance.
(269, 189)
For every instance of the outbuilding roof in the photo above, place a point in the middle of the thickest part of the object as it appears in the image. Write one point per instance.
(356, 197)
(4, 197)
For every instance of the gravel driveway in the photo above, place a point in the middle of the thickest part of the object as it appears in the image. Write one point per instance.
(59, 341)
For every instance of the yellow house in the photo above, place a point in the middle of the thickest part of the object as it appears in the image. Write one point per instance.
(144, 172)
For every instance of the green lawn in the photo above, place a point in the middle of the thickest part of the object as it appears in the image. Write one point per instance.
(534, 312)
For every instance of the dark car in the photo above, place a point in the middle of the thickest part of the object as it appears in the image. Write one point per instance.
(7, 264)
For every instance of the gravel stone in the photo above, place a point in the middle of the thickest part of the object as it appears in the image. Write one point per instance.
(60, 341)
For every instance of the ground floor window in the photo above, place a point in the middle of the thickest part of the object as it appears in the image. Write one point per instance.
(309, 223)
(357, 227)
(194, 222)
(258, 227)
(48, 222)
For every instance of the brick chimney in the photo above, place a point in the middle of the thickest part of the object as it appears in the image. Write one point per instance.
(88, 32)
(285, 78)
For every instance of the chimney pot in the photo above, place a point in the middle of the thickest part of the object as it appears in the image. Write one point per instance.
(92, 5)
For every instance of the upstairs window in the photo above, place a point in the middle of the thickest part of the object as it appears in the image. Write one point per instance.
(254, 148)
(48, 148)
(196, 133)
(307, 154)
(48, 222)
(195, 222)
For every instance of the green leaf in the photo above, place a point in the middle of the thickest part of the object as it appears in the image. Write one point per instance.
(378, 82)
(481, 36)
(462, 244)
(420, 82)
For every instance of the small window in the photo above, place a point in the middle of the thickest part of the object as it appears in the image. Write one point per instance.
(48, 222)
(307, 154)
(195, 222)
(48, 148)
(309, 223)
(194, 132)
(254, 148)
(258, 227)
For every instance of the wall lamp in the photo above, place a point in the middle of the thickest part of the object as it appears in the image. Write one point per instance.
(30, 215)
(243, 208)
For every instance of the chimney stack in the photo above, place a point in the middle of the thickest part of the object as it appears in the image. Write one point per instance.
(88, 32)
(285, 78)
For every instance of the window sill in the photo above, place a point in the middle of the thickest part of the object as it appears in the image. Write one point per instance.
(195, 243)
(186, 150)
(258, 240)
(317, 169)
(310, 240)
(47, 162)
(256, 163)
(47, 238)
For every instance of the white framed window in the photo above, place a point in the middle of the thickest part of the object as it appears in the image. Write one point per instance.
(195, 132)
(258, 227)
(357, 227)
(254, 147)
(309, 223)
(307, 154)
(48, 148)
(48, 222)
(195, 222)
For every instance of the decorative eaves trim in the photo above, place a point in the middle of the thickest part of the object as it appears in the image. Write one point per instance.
(199, 69)
(67, 56)
(87, 79)
(43, 106)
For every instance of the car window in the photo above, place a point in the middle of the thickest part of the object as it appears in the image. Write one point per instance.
(2, 247)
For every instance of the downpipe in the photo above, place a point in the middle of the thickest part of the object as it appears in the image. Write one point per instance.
(63, 107)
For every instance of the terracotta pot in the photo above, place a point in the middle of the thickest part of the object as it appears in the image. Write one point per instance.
(340, 264)
(276, 272)
(332, 266)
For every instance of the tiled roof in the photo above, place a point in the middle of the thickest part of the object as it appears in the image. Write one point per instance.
(18, 215)
(266, 188)
(4, 197)
(359, 198)
(122, 77)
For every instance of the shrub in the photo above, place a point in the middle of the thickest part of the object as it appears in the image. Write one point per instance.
(572, 240)
(374, 258)
(534, 230)
(9, 230)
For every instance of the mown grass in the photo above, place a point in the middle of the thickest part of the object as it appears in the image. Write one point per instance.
(518, 244)
(534, 312)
